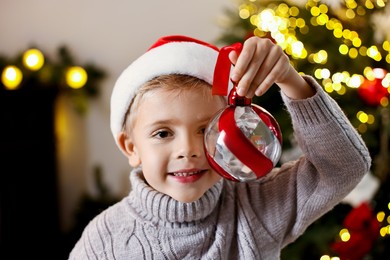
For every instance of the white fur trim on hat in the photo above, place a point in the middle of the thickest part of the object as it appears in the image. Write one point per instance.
(186, 58)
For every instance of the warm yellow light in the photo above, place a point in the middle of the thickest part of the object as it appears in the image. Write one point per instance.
(386, 81)
(379, 73)
(362, 116)
(328, 87)
(384, 231)
(336, 86)
(301, 23)
(351, 4)
(355, 81)
(297, 48)
(322, 19)
(244, 13)
(304, 29)
(344, 235)
(322, 73)
(269, 22)
(360, 10)
(283, 9)
(386, 45)
(33, 59)
(350, 14)
(356, 42)
(346, 33)
(338, 33)
(323, 8)
(267, 15)
(384, 101)
(371, 118)
(343, 49)
(317, 74)
(325, 73)
(321, 57)
(315, 11)
(11, 77)
(374, 53)
(76, 77)
(294, 11)
(380, 3)
(338, 77)
(369, 4)
(353, 53)
(362, 128)
(363, 50)
(325, 257)
(342, 90)
(369, 73)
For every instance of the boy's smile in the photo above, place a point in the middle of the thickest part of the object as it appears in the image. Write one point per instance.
(167, 140)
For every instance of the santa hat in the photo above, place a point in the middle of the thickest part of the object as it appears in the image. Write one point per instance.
(174, 54)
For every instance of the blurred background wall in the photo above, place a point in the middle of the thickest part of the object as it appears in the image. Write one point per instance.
(109, 34)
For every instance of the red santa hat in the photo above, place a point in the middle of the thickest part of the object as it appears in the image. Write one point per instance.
(174, 54)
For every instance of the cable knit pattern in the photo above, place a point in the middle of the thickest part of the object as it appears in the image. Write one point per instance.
(165, 211)
(233, 220)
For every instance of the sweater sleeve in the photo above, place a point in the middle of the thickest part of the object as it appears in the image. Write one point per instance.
(334, 160)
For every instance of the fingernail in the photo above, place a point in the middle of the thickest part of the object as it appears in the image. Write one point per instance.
(234, 78)
(240, 92)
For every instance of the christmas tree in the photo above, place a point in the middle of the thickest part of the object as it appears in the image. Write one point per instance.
(345, 45)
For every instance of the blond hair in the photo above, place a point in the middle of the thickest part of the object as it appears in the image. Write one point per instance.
(175, 83)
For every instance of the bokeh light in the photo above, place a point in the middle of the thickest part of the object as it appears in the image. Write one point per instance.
(76, 77)
(11, 77)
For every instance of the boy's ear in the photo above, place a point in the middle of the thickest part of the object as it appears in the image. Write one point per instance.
(128, 148)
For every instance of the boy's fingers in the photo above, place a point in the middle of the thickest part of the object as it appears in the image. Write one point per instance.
(243, 62)
(272, 70)
(233, 57)
(254, 62)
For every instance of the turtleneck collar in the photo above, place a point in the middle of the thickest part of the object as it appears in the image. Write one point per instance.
(158, 207)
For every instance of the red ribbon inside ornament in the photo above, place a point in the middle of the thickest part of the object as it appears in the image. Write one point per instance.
(241, 147)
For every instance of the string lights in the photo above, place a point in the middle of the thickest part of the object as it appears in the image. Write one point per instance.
(33, 60)
(284, 23)
(32, 69)
(76, 77)
(11, 77)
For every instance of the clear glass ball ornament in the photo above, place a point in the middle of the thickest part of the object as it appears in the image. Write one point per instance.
(260, 130)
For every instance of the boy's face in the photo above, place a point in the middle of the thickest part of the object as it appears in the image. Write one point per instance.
(167, 140)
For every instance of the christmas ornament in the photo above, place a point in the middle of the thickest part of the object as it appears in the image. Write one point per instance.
(372, 91)
(243, 141)
(363, 228)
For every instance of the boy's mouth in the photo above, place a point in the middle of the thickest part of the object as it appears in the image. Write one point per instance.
(186, 173)
(188, 176)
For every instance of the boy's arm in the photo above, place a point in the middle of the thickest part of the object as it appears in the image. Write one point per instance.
(335, 159)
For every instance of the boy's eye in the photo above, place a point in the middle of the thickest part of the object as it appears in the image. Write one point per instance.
(161, 134)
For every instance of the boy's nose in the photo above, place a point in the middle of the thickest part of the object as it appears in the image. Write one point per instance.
(190, 147)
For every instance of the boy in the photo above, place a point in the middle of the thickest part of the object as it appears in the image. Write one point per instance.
(179, 208)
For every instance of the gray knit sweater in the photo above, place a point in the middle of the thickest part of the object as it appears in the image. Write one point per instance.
(239, 220)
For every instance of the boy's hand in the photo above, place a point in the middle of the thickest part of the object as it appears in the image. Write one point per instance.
(262, 63)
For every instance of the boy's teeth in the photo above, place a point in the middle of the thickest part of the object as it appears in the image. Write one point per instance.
(184, 174)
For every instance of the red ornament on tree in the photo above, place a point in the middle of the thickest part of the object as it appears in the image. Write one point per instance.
(372, 91)
(243, 142)
(364, 229)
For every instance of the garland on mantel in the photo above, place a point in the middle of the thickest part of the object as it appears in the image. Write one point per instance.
(32, 69)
